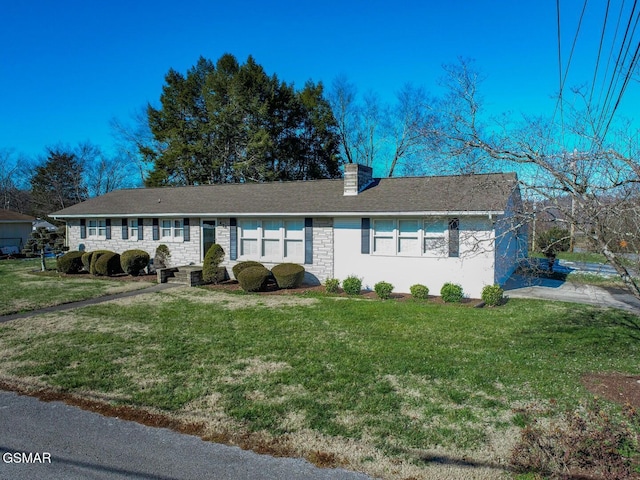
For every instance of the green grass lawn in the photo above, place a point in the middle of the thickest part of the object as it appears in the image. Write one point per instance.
(380, 385)
(23, 287)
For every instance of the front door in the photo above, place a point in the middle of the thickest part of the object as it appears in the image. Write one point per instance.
(208, 235)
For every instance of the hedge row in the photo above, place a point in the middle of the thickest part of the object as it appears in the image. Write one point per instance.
(253, 276)
(104, 262)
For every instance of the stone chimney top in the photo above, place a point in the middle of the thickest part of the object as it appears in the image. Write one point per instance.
(356, 178)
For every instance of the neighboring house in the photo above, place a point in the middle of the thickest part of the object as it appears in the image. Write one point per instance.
(427, 230)
(15, 229)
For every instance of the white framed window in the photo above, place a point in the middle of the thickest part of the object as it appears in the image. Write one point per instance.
(171, 230)
(384, 236)
(434, 239)
(271, 240)
(411, 237)
(133, 229)
(97, 228)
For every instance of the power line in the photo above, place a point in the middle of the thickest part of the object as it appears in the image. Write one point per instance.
(595, 73)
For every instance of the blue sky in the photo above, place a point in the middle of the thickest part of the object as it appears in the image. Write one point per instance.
(68, 67)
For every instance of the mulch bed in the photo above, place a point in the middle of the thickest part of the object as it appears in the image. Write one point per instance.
(615, 387)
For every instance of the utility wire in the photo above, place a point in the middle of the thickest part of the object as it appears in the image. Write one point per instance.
(595, 73)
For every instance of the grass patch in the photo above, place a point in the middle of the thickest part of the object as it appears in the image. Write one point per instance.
(24, 287)
(395, 379)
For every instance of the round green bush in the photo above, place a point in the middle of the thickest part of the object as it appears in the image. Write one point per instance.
(492, 295)
(451, 293)
(108, 264)
(352, 285)
(86, 260)
(70, 262)
(95, 256)
(331, 285)
(238, 267)
(288, 275)
(418, 291)
(134, 261)
(211, 271)
(383, 290)
(162, 257)
(253, 279)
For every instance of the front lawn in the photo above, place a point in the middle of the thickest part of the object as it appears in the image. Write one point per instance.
(23, 287)
(395, 389)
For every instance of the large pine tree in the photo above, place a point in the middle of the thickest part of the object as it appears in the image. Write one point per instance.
(228, 122)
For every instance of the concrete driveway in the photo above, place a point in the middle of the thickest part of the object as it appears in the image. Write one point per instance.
(84, 445)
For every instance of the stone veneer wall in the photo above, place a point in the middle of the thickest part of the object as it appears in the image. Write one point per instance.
(182, 253)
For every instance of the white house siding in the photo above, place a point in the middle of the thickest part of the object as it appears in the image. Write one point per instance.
(182, 253)
(473, 269)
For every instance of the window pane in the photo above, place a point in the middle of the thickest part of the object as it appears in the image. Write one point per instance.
(166, 228)
(383, 245)
(271, 248)
(294, 229)
(408, 245)
(434, 246)
(383, 226)
(434, 226)
(177, 228)
(271, 228)
(408, 227)
(249, 247)
(293, 250)
(249, 228)
(102, 227)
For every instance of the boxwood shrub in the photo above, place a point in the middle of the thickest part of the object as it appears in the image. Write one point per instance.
(383, 290)
(134, 261)
(86, 260)
(451, 293)
(288, 275)
(70, 262)
(253, 279)
(421, 292)
(492, 295)
(238, 267)
(211, 271)
(108, 264)
(94, 258)
(352, 285)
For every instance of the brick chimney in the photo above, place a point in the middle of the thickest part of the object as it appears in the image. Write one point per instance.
(356, 178)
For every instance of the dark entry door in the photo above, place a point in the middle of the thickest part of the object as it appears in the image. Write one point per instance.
(208, 235)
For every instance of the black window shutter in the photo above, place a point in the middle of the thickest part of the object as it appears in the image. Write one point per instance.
(454, 237)
(156, 229)
(365, 240)
(125, 231)
(233, 239)
(140, 229)
(308, 241)
(83, 228)
(108, 228)
(187, 230)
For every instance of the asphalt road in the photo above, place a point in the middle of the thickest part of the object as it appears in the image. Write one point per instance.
(85, 445)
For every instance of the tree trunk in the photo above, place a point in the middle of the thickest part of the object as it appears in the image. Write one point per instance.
(626, 277)
(43, 265)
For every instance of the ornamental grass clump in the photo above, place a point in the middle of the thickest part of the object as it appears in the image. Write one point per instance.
(288, 275)
(253, 279)
(134, 261)
(383, 290)
(451, 293)
(420, 292)
(70, 262)
(352, 285)
(492, 295)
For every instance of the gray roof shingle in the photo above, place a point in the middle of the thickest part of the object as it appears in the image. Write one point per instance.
(11, 216)
(460, 193)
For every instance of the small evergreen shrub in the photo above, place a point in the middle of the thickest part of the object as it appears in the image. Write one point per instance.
(211, 271)
(108, 264)
(352, 285)
(86, 260)
(134, 261)
(95, 256)
(70, 262)
(492, 295)
(162, 257)
(331, 285)
(451, 293)
(288, 275)
(383, 290)
(238, 267)
(253, 279)
(418, 291)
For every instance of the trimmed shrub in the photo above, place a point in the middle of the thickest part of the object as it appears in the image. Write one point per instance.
(95, 256)
(352, 285)
(451, 293)
(492, 295)
(253, 279)
(418, 291)
(383, 290)
(238, 267)
(108, 264)
(86, 260)
(211, 271)
(331, 285)
(134, 261)
(288, 275)
(162, 257)
(70, 262)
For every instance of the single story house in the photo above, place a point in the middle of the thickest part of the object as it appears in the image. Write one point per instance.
(15, 229)
(429, 230)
